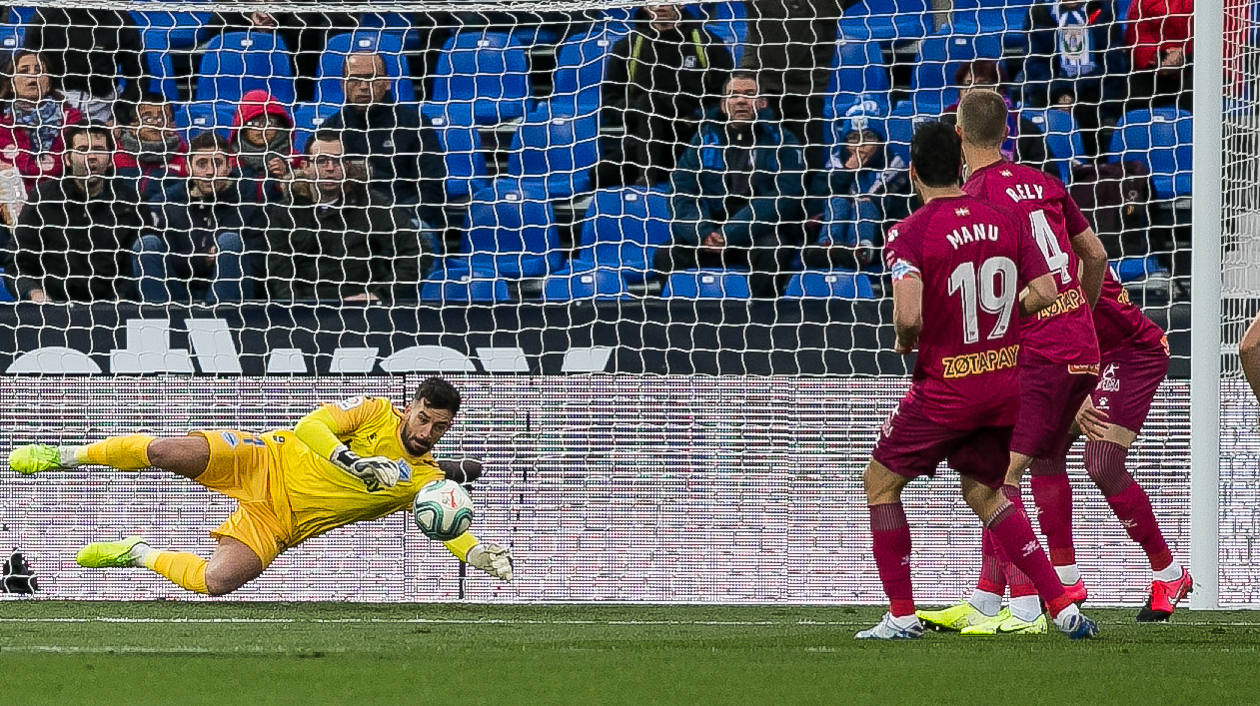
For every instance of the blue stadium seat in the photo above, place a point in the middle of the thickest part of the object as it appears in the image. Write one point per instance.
(884, 20)
(860, 79)
(621, 231)
(160, 32)
(592, 284)
(940, 56)
(488, 71)
(833, 284)
(466, 170)
(1130, 269)
(706, 284)
(237, 62)
(905, 116)
(5, 294)
(728, 22)
(12, 31)
(557, 151)
(332, 62)
(1004, 18)
(511, 231)
(1161, 139)
(396, 22)
(1063, 138)
(464, 287)
(192, 119)
(307, 118)
(580, 66)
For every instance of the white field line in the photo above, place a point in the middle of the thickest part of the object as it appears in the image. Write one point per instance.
(133, 649)
(523, 621)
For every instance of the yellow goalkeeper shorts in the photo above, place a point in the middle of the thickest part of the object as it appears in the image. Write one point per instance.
(243, 465)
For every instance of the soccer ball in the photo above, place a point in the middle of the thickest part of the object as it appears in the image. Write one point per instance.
(443, 510)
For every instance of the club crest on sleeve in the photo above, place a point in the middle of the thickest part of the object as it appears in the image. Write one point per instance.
(350, 403)
(404, 471)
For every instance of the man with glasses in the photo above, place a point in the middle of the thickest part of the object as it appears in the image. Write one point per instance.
(338, 240)
(150, 149)
(401, 149)
(73, 239)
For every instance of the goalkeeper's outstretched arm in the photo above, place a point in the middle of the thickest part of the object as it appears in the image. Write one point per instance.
(322, 431)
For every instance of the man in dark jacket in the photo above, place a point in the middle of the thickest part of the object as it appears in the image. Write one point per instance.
(660, 81)
(738, 192)
(200, 233)
(338, 240)
(89, 51)
(72, 240)
(402, 150)
(1076, 62)
(791, 45)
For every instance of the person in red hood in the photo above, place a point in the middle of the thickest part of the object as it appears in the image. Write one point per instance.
(150, 149)
(32, 117)
(262, 139)
(1162, 35)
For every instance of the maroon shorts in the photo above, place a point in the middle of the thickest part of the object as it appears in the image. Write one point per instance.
(912, 444)
(1130, 378)
(1050, 395)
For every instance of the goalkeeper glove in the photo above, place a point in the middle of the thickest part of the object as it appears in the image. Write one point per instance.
(492, 559)
(376, 472)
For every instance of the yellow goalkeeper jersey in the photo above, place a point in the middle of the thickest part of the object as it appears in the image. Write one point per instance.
(322, 496)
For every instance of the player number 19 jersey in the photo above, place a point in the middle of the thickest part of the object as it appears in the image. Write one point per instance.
(973, 258)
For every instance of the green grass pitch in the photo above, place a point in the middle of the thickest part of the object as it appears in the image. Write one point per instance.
(54, 652)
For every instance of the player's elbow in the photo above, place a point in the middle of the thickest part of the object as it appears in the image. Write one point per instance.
(1041, 294)
(1090, 250)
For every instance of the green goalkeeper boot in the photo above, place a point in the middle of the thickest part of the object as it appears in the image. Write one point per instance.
(35, 458)
(101, 555)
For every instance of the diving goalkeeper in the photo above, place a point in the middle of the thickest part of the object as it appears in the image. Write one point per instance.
(358, 459)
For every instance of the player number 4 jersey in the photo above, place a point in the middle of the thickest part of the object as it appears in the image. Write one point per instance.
(973, 259)
(1064, 331)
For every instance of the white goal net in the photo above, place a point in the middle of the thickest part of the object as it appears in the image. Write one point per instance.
(645, 239)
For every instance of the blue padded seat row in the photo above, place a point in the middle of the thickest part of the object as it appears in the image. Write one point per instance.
(1130, 269)
(192, 119)
(164, 30)
(860, 79)
(307, 119)
(488, 71)
(12, 31)
(1161, 139)
(465, 287)
(706, 283)
(396, 22)
(466, 169)
(592, 284)
(510, 230)
(581, 64)
(237, 62)
(829, 284)
(621, 230)
(555, 150)
(1063, 139)
(388, 44)
(885, 20)
(940, 57)
(905, 116)
(1004, 18)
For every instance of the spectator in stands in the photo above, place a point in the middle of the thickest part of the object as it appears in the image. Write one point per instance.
(88, 52)
(338, 240)
(1075, 63)
(1163, 46)
(402, 150)
(738, 192)
(1024, 142)
(150, 150)
(201, 231)
(262, 140)
(73, 239)
(32, 119)
(791, 46)
(865, 186)
(661, 79)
